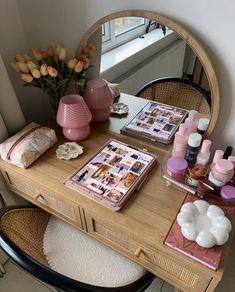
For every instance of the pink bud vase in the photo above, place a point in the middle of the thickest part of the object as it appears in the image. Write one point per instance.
(99, 99)
(74, 117)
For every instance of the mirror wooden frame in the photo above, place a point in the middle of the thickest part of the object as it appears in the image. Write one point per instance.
(186, 36)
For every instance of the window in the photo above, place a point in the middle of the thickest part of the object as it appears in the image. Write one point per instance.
(121, 30)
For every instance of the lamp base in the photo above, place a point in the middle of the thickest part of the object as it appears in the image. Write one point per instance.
(101, 115)
(76, 134)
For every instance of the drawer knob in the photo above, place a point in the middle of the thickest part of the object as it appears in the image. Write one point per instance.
(138, 252)
(37, 196)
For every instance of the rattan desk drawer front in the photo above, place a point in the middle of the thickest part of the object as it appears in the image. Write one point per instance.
(43, 198)
(159, 264)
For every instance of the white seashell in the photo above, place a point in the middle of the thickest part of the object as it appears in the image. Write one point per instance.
(184, 217)
(189, 231)
(69, 150)
(214, 211)
(221, 235)
(222, 222)
(189, 208)
(205, 239)
(202, 206)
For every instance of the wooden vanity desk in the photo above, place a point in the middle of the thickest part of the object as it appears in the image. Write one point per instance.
(137, 230)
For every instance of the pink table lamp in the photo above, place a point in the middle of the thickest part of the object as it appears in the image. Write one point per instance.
(74, 117)
(98, 97)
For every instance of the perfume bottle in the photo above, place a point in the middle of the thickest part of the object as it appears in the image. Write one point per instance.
(204, 154)
(192, 121)
(180, 141)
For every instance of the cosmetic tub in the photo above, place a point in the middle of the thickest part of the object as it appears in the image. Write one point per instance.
(176, 168)
(223, 170)
(228, 193)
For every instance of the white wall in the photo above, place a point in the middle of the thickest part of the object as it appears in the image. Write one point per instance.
(212, 22)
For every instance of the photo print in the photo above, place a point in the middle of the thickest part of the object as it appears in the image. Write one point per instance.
(168, 128)
(110, 180)
(83, 174)
(121, 168)
(100, 159)
(101, 172)
(137, 167)
(127, 181)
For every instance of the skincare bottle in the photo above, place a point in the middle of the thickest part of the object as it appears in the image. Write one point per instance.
(194, 142)
(218, 155)
(192, 121)
(180, 141)
(204, 154)
(228, 152)
(203, 124)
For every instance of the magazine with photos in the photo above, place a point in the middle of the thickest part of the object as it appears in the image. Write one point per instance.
(112, 174)
(156, 121)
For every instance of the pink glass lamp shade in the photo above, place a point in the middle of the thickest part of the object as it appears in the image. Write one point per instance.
(99, 99)
(74, 117)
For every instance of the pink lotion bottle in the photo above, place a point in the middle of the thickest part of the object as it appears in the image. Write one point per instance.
(180, 141)
(192, 121)
(218, 155)
(204, 154)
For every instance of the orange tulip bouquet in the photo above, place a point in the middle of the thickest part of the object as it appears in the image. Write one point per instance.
(51, 72)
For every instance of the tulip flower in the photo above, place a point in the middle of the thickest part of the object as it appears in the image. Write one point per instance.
(19, 58)
(72, 63)
(27, 58)
(82, 57)
(89, 50)
(62, 54)
(44, 55)
(23, 67)
(79, 66)
(58, 47)
(86, 63)
(37, 54)
(50, 50)
(43, 69)
(27, 78)
(31, 65)
(36, 73)
(52, 71)
(15, 67)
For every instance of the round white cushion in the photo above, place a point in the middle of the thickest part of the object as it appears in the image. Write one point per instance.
(80, 257)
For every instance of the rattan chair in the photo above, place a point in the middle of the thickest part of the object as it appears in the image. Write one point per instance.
(178, 92)
(21, 237)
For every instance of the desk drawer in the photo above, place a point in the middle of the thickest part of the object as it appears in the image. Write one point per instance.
(154, 260)
(45, 199)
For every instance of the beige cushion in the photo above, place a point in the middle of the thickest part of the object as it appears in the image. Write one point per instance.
(78, 256)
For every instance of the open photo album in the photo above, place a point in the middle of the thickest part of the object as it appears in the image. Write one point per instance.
(156, 121)
(112, 174)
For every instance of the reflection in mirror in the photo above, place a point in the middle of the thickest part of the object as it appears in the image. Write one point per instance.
(133, 51)
(136, 47)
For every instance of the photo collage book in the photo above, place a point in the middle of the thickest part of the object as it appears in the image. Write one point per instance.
(156, 121)
(115, 171)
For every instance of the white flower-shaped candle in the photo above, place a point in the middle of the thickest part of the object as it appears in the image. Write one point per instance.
(204, 223)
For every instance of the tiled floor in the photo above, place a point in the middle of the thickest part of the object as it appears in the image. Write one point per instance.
(16, 280)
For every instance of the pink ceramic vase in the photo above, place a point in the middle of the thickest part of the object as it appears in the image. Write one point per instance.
(99, 99)
(74, 117)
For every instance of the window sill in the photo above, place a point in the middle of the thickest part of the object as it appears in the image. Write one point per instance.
(134, 52)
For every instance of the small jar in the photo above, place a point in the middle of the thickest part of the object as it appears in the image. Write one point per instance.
(228, 193)
(176, 168)
(223, 170)
(216, 182)
(196, 173)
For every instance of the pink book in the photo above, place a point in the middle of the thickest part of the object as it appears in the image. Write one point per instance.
(209, 257)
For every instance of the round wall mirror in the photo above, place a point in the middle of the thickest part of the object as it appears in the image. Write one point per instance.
(137, 47)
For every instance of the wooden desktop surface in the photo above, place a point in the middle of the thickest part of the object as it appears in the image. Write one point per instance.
(144, 220)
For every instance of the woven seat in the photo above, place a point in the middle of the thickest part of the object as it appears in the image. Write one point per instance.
(178, 92)
(21, 237)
